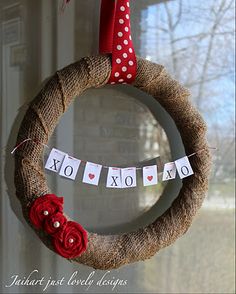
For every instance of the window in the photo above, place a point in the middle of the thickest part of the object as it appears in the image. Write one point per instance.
(195, 42)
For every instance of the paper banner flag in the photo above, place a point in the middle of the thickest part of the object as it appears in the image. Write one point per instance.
(128, 177)
(55, 160)
(92, 173)
(183, 167)
(69, 167)
(150, 175)
(114, 178)
(169, 172)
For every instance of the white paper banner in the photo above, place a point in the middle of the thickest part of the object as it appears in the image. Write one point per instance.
(92, 173)
(150, 175)
(128, 177)
(114, 178)
(55, 160)
(169, 172)
(183, 167)
(69, 167)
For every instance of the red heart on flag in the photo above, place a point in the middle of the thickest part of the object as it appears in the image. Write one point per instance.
(150, 178)
(91, 176)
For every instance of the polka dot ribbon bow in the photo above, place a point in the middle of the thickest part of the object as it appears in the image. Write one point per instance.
(115, 38)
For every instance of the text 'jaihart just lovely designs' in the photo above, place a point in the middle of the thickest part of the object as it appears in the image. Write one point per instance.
(68, 166)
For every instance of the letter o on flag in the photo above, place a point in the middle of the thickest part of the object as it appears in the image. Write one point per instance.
(129, 181)
(70, 171)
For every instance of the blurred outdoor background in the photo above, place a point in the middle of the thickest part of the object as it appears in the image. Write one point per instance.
(119, 125)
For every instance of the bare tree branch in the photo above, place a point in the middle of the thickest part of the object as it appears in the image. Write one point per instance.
(201, 36)
(209, 79)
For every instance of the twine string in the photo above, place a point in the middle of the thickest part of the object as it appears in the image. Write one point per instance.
(84, 161)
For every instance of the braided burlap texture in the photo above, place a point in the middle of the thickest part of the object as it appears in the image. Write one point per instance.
(113, 251)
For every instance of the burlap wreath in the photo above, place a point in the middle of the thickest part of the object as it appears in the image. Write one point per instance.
(113, 251)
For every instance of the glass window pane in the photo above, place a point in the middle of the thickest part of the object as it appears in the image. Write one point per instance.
(120, 125)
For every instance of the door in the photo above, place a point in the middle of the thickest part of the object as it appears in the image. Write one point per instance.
(118, 125)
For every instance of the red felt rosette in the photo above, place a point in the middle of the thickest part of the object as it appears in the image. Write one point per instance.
(72, 241)
(55, 224)
(44, 207)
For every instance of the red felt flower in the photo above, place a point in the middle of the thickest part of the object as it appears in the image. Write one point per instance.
(72, 242)
(44, 207)
(55, 224)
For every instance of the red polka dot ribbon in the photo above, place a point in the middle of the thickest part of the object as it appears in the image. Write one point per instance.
(115, 38)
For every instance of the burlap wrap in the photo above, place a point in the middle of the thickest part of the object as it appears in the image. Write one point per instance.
(113, 251)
